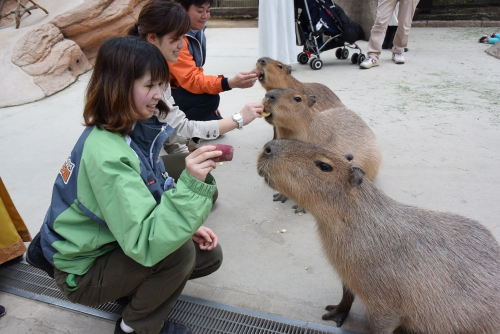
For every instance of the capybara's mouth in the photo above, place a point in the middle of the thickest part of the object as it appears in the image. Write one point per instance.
(262, 76)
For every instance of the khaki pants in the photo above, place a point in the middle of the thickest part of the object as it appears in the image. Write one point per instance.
(384, 12)
(153, 290)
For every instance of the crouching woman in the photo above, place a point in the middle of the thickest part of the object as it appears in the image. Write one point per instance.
(117, 226)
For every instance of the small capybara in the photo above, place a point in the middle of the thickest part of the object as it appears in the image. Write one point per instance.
(415, 270)
(273, 74)
(337, 129)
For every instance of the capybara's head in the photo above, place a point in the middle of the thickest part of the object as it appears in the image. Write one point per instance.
(309, 174)
(273, 74)
(287, 108)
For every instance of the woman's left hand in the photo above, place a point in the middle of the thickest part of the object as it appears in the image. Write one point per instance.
(205, 238)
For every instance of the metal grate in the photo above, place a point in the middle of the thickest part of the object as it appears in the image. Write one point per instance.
(203, 317)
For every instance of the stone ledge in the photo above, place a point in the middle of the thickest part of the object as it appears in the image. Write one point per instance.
(458, 23)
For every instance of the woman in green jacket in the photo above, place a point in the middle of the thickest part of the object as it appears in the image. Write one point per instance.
(117, 225)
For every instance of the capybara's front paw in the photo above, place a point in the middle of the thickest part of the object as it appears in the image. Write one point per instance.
(279, 197)
(298, 209)
(335, 314)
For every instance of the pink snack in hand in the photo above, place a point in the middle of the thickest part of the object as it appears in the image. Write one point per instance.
(256, 71)
(227, 152)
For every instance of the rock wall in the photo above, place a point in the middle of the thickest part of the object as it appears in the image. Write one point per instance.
(362, 11)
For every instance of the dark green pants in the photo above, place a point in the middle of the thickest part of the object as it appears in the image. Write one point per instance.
(153, 290)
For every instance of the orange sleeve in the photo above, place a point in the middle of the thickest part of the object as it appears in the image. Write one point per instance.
(185, 74)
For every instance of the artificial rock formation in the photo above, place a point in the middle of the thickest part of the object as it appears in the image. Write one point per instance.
(56, 53)
(94, 21)
(52, 61)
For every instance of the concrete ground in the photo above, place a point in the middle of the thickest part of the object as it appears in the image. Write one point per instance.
(436, 117)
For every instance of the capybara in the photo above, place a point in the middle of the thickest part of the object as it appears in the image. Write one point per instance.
(273, 74)
(415, 270)
(337, 129)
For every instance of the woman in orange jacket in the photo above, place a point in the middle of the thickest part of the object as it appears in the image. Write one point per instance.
(194, 92)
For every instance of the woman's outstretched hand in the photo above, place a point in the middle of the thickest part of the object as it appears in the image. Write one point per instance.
(198, 163)
(251, 111)
(242, 80)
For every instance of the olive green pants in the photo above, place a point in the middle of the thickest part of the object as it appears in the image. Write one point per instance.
(153, 291)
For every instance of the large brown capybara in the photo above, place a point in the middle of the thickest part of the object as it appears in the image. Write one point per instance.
(415, 270)
(273, 74)
(337, 129)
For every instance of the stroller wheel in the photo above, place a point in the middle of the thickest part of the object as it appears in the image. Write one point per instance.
(338, 53)
(316, 64)
(302, 58)
(354, 58)
(345, 53)
(361, 58)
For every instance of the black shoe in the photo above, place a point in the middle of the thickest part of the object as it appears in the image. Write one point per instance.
(483, 39)
(2, 311)
(171, 327)
(34, 256)
(406, 50)
(119, 330)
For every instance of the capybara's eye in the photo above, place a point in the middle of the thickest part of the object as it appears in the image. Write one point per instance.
(297, 99)
(279, 66)
(323, 166)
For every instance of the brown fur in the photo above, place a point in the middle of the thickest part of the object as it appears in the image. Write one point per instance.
(417, 270)
(337, 129)
(274, 74)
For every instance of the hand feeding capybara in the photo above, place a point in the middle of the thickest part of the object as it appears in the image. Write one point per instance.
(415, 270)
(273, 74)
(337, 129)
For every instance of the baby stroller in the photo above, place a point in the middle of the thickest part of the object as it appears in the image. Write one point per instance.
(322, 25)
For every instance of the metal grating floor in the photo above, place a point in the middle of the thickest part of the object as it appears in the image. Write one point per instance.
(204, 317)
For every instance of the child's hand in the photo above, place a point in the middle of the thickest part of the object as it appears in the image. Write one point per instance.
(198, 163)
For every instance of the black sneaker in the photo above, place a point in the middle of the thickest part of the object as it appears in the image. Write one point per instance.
(483, 39)
(34, 256)
(119, 330)
(2, 311)
(171, 327)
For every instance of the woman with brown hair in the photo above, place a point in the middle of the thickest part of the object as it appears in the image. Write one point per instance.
(164, 24)
(116, 227)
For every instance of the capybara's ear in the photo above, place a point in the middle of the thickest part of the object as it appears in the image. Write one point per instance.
(348, 156)
(356, 175)
(288, 69)
(311, 100)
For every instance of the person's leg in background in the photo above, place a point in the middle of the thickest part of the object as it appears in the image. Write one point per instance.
(405, 18)
(197, 107)
(384, 12)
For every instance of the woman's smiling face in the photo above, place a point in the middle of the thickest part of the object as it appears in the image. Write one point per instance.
(146, 94)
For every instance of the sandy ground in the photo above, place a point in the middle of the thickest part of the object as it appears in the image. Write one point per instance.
(436, 117)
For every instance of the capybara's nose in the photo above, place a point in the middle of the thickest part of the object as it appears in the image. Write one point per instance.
(270, 148)
(262, 61)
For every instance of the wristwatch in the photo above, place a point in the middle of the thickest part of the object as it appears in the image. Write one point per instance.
(238, 118)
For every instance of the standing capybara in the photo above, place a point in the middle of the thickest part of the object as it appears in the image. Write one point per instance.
(417, 270)
(273, 74)
(337, 129)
